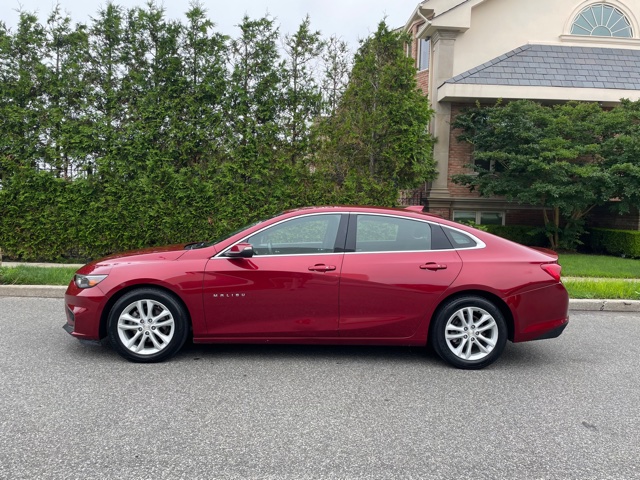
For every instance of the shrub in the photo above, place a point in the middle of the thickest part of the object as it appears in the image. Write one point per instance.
(615, 242)
(524, 234)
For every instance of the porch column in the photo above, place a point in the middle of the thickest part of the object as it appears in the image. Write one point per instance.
(443, 50)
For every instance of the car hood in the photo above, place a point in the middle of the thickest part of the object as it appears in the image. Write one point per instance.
(152, 254)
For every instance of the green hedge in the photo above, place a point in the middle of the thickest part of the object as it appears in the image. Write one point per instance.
(524, 234)
(46, 218)
(615, 242)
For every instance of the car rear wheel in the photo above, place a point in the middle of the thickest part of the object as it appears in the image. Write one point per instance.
(147, 325)
(469, 332)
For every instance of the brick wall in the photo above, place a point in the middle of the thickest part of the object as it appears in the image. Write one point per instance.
(602, 217)
(460, 154)
(524, 217)
(422, 77)
(443, 212)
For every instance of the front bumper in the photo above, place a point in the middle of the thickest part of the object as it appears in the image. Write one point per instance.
(83, 309)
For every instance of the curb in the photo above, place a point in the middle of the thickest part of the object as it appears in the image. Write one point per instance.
(604, 305)
(578, 305)
(38, 291)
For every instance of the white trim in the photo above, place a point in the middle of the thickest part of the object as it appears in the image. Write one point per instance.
(635, 27)
(606, 41)
(460, 92)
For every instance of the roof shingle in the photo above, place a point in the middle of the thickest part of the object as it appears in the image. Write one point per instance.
(559, 66)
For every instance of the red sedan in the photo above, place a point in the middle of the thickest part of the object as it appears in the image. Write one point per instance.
(326, 275)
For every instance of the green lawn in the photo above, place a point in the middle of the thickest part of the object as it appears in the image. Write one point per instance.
(601, 266)
(25, 275)
(609, 288)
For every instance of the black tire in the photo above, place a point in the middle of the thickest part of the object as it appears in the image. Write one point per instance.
(133, 316)
(478, 348)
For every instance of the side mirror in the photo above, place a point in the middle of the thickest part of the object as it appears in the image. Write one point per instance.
(240, 250)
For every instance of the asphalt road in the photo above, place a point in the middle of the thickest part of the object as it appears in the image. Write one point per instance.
(567, 408)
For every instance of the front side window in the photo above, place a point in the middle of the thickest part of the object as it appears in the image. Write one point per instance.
(314, 234)
(602, 20)
(390, 234)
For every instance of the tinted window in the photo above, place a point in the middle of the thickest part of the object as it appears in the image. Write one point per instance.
(306, 235)
(459, 239)
(391, 234)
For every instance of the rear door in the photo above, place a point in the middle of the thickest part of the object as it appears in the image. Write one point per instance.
(393, 273)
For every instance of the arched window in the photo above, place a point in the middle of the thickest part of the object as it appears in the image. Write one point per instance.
(602, 20)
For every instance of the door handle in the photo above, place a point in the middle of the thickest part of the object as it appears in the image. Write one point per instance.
(433, 266)
(322, 268)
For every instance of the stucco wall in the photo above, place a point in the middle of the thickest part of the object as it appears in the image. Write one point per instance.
(499, 26)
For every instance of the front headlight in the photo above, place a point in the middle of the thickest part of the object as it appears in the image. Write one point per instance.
(88, 281)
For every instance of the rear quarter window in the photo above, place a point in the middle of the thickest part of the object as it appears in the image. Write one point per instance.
(459, 239)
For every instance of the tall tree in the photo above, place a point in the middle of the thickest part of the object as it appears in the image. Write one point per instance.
(621, 153)
(68, 126)
(336, 60)
(22, 94)
(378, 140)
(105, 76)
(552, 157)
(302, 94)
(203, 111)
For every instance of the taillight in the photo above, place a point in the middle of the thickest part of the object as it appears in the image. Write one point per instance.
(552, 269)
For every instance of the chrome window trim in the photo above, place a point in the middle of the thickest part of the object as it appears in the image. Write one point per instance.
(479, 243)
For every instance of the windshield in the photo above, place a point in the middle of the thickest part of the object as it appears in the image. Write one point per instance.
(224, 237)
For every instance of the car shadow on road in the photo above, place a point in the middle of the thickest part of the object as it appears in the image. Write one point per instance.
(520, 356)
(197, 352)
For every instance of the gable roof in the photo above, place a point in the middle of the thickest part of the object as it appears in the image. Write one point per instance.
(559, 66)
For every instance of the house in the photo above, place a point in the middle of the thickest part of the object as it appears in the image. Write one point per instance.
(544, 50)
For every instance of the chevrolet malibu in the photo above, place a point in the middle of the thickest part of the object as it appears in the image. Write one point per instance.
(326, 275)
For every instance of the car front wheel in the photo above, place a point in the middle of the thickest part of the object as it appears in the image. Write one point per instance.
(147, 325)
(469, 332)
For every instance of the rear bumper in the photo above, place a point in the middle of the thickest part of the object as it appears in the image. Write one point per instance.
(553, 333)
(541, 313)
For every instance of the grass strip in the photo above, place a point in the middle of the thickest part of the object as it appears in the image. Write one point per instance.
(25, 275)
(601, 266)
(602, 288)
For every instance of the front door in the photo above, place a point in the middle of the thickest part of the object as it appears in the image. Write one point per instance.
(289, 288)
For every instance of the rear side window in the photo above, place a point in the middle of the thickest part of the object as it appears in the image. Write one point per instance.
(459, 239)
(391, 234)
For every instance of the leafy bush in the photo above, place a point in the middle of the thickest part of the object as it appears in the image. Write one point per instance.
(615, 242)
(523, 234)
